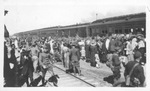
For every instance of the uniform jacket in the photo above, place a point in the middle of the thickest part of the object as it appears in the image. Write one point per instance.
(115, 60)
(112, 45)
(74, 54)
(138, 71)
(87, 50)
(45, 59)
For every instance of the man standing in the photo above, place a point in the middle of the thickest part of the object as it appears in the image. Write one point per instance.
(93, 50)
(75, 57)
(87, 50)
(66, 56)
(34, 53)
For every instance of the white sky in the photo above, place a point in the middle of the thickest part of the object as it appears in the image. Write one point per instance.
(25, 15)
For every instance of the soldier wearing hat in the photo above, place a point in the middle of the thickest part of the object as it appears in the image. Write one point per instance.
(75, 57)
(114, 64)
(137, 77)
(45, 61)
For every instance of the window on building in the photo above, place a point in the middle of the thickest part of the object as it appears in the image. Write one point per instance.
(103, 31)
(132, 30)
(97, 30)
(90, 32)
(126, 31)
(120, 31)
(116, 31)
(142, 29)
(106, 31)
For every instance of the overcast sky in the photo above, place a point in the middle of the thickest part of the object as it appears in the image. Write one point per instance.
(25, 15)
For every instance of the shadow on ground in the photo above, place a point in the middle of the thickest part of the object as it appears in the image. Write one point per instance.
(118, 83)
(109, 79)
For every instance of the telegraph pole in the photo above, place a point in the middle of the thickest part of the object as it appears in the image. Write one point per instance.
(96, 16)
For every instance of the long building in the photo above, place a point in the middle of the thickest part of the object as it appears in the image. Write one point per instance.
(135, 23)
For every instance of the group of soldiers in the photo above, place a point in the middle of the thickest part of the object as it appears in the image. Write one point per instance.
(113, 50)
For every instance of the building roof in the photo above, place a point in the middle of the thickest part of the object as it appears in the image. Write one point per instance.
(123, 17)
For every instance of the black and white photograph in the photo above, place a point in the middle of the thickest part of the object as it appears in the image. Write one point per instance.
(75, 43)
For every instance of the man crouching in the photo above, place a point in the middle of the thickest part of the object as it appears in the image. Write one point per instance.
(45, 61)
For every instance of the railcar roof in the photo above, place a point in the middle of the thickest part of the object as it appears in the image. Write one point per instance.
(123, 17)
(117, 19)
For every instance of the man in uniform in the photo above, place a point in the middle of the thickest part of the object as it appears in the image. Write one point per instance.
(115, 64)
(75, 57)
(137, 77)
(45, 61)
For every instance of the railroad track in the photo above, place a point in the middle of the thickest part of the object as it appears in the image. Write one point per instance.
(69, 80)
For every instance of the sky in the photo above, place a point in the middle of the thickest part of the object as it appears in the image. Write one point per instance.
(25, 15)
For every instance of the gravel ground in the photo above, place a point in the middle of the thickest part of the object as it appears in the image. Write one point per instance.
(98, 74)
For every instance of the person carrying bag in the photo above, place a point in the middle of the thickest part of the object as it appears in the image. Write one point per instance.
(128, 77)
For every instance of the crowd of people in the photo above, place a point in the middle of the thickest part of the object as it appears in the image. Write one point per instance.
(113, 50)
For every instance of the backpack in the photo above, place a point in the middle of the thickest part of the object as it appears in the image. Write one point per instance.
(128, 77)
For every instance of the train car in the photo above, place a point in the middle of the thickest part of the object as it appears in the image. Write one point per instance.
(126, 24)
(133, 23)
(73, 30)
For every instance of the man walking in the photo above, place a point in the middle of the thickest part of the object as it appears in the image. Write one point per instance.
(45, 61)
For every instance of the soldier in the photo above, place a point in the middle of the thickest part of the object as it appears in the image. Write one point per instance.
(115, 66)
(137, 77)
(75, 57)
(45, 61)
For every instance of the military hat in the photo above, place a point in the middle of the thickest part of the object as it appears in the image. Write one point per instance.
(74, 44)
(117, 49)
(33, 43)
(140, 35)
(137, 54)
(93, 42)
(47, 46)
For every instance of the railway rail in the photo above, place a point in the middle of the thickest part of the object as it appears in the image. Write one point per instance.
(67, 79)
(83, 81)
